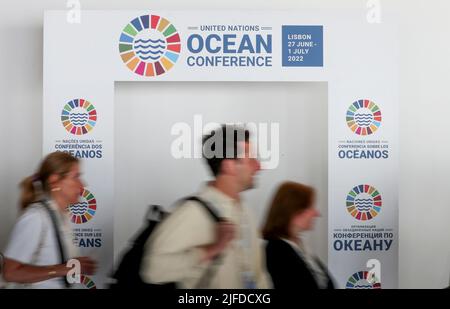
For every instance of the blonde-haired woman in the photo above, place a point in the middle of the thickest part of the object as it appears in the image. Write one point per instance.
(41, 241)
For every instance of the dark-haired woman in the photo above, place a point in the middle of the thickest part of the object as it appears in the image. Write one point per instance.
(290, 265)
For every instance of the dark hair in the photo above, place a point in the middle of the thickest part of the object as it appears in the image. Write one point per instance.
(290, 199)
(58, 163)
(223, 143)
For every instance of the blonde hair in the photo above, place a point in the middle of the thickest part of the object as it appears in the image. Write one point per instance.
(34, 186)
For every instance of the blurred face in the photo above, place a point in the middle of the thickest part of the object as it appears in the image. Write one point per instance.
(70, 185)
(247, 167)
(304, 220)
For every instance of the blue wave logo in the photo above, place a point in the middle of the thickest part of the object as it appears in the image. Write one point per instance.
(363, 286)
(79, 208)
(364, 120)
(149, 49)
(79, 119)
(363, 205)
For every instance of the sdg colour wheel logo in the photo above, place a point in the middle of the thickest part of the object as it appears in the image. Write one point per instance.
(361, 280)
(87, 283)
(364, 202)
(149, 45)
(79, 117)
(364, 117)
(84, 210)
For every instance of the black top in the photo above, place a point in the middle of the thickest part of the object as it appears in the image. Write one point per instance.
(288, 270)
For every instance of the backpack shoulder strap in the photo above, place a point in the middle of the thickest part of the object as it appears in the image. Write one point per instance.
(207, 206)
(212, 269)
(57, 235)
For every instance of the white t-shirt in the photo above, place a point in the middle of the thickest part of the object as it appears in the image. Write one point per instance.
(33, 242)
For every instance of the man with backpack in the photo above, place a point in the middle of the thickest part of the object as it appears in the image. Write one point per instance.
(192, 247)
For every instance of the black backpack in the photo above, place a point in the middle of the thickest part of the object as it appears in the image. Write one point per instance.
(127, 274)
